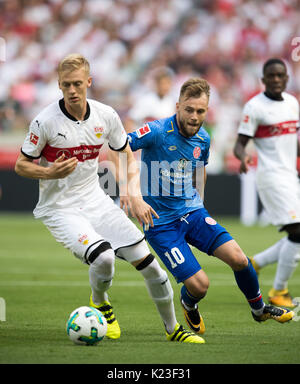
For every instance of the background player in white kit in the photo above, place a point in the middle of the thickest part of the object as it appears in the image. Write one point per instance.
(271, 119)
(67, 137)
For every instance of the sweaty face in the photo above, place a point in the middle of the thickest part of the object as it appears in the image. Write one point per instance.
(73, 85)
(275, 79)
(190, 114)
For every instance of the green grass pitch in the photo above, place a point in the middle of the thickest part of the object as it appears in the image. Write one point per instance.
(42, 283)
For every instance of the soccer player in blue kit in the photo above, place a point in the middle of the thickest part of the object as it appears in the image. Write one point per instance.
(175, 152)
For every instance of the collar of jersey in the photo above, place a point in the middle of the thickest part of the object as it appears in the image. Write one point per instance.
(273, 98)
(176, 125)
(66, 113)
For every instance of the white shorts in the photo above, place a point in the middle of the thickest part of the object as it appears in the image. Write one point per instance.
(82, 230)
(282, 203)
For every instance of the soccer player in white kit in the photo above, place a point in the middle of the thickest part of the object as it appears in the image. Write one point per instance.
(67, 136)
(271, 119)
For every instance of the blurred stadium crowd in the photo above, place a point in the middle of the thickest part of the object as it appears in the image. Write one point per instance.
(140, 53)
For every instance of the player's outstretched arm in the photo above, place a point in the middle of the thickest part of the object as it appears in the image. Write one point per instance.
(59, 169)
(240, 153)
(138, 207)
(120, 177)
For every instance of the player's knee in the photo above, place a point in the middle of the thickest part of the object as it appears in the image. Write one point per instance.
(240, 263)
(198, 286)
(199, 290)
(237, 259)
(103, 258)
(231, 253)
(204, 286)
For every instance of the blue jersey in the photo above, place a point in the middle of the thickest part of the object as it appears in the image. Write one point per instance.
(169, 161)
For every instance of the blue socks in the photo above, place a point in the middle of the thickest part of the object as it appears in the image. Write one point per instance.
(189, 299)
(248, 283)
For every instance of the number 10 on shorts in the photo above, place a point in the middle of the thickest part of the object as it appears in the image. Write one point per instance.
(175, 258)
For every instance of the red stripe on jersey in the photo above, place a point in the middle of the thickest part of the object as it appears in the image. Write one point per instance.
(83, 152)
(284, 128)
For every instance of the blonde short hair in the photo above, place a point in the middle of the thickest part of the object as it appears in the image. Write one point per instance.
(194, 87)
(72, 62)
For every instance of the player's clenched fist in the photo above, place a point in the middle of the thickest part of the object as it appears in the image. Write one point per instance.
(246, 162)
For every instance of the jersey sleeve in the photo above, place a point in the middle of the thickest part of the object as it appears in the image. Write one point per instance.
(143, 137)
(297, 108)
(117, 138)
(249, 122)
(35, 140)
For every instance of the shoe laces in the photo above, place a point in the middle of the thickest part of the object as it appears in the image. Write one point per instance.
(274, 311)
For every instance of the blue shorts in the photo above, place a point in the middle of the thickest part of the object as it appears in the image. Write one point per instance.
(170, 241)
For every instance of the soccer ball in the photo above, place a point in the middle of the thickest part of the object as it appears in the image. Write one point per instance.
(86, 326)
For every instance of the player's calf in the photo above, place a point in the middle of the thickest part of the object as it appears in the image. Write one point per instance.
(191, 313)
(156, 279)
(160, 290)
(194, 290)
(101, 273)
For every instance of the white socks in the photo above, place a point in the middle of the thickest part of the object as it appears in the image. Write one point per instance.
(101, 272)
(286, 254)
(269, 255)
(160, 290)
(287, 262)
(259, 311)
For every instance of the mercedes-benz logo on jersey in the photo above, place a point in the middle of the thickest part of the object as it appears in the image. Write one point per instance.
(65, 152)
(274, 130)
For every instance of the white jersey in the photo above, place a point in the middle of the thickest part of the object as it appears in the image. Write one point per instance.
(54, 132)
(273, 126)
(152, 107)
